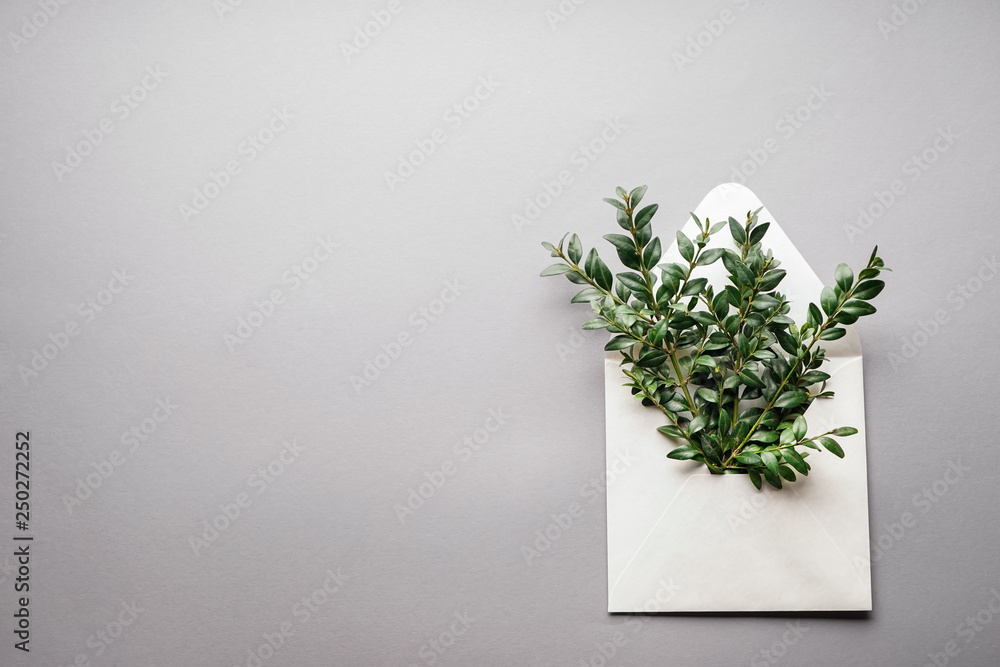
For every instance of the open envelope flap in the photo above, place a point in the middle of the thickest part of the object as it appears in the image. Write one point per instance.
(809, 540)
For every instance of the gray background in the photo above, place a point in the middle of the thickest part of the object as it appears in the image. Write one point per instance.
(893, 77)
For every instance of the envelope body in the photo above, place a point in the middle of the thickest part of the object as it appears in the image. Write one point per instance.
(682, 539)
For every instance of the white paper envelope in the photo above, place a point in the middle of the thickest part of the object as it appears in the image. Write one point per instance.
(682, 539)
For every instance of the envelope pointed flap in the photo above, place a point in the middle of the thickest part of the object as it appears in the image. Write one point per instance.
(800, 286)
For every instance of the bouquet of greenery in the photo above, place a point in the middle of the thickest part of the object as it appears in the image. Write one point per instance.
(732, 373)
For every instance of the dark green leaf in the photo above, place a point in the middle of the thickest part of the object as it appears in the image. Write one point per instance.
(683, 453)
(600, 272)
(709, 256)
(694, 287)
(643, 217)
(670, 430)
(708, 395)
(765, 436)
(828, 299)
(750, 459)
(772, 479)
(614, 202)
(858, 308)
(844, 277)
(771, 279)
(619, 343)
(758, 233)
(630, 258)
(755, 478)
(832, 446)
(685, 246)
(812, 377)
(698, 423)
(635, 196)
(751, 379)
(794, 459)
(832, 334)
(787, 473)
(844, 431)
(770, 460)
(620, 241)
(633, 281)
(869, 289)
(651, 358)
(596, 323)
(799, 427)
(790, 399)
(736, 229)
(652, 253)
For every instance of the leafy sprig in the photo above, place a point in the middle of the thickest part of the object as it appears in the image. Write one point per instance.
(729, 369)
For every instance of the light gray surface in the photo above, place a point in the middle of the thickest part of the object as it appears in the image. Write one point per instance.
(507, 342)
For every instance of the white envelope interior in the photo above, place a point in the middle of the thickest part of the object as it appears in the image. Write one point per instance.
(716, 542)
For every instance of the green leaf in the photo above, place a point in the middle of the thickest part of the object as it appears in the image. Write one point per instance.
(619, 343)
(620, 241)
(652, 253)
(685, 246)
(697, 424)
(869, 289)
(694, 287)
(766, 437)
(787, 473)
(710, 256)
(706, 361)
(683, 453)
(599, 271)
(858, 308)
(614, 202)
(635, 196)
(812, 377)
(624, 221)
(651, 358)
(833, 334)
(790, 399)
(633, 281)
(794, 459)
(596, 323)
(771, 279)
(828, 299)
(844, 431)
(772, 479)
(736, 229)
(748, 458)
(763, 302)
(620, 191)
(575, 250)
(556, 269)
(799, 427)
(630, 258)
(844, 277)
(708, 395)
(658, 332)
(671, 431)
(770, 460)
(587, 295)
(755, 478)
(832, 446)
(751, 379)
(758, 233)
(644, 216)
